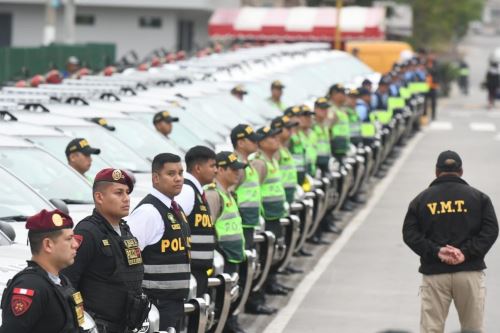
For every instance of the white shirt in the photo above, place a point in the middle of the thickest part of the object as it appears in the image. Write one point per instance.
(185, 199)
(146, 223)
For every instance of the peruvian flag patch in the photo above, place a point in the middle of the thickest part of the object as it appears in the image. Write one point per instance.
(23, 291)
(19, 304)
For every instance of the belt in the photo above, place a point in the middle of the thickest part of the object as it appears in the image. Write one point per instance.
(107, 326)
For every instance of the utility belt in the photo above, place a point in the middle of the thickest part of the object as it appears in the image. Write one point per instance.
(137, 308)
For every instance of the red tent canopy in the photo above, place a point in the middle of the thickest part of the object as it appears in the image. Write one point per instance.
(297, 23)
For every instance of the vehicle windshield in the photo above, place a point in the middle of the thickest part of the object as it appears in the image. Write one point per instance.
(181, 135)
(51, 178)
(143, 141)
(112, 149)
(56, 145)
(16, 199)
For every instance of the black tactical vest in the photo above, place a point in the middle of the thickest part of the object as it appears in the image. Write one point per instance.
(167, 268)
(107, 299)
(71, 301)
(202, 231)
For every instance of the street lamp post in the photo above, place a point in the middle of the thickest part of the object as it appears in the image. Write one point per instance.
(338, 29)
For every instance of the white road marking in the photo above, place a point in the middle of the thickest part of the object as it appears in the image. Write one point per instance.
(482, 127)
(441, 126)
(279, 323)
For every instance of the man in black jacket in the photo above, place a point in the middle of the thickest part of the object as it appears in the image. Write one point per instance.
(451, 226)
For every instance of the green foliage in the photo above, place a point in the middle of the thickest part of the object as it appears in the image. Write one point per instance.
(437, 22)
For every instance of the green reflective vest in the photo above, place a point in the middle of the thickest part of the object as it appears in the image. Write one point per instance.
(309, 140)
(322, 143)
(229, 229)
(341, 133)
(280, 105)
(248, 198)
(288, 173)
(354, 122)
(272, 191)
(298, 151)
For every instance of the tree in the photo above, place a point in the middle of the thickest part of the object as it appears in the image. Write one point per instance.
(437, 23)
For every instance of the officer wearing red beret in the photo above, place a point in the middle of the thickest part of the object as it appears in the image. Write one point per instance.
(39, 299)
(108, 268)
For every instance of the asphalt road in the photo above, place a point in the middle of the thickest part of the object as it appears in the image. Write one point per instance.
(367, 280)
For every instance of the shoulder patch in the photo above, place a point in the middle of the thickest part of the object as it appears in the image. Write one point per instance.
(19, 304)
(23, 291)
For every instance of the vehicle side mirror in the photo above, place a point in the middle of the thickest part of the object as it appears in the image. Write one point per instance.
(61, 205)
(8, 230)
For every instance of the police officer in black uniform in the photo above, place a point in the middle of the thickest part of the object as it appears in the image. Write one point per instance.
(108, 268)
(39, 299)
(201, 171)
(451, 226)
(163, 232)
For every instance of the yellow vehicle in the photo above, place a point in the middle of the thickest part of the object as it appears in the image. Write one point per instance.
(379, 55)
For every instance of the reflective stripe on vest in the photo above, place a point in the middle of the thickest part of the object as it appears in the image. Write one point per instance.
(287, 169)
(229, 229)
(272, 191)
(341, 133)
(248, 198)
(323, 140)
(354, 122)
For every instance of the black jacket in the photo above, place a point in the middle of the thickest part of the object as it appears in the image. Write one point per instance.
(41, 309)
(454, 213)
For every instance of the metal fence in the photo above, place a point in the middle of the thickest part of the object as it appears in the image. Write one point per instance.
(23, 62)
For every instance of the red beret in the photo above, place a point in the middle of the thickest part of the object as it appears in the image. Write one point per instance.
(46, 221)
(115, 176)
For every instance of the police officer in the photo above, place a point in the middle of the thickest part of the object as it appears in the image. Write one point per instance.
(247, 190)
(78, 153)
(380, 96)
(276, 94)
(108, 268)
(451, 226)
(201, 170)
(163, 122)
(227, 220)
(354, 120)
(239, 92)
(297, 146)
(39, 299)
(285, 159)
(272, 195)
(363, 106)
(321, 128)
(367, 84)
(162, 229)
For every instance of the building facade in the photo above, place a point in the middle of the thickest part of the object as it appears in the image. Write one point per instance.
(141, 26)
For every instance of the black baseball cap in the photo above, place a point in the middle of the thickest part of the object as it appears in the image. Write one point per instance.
(449, 161)
(293, 111)
(228, 159)
(277, 84)
(363, 91)
(239, 89)
(365, 82)
(103, 123)
(266, 132)
(336, 88)
(283, 122)
(244, 131)
(164, 116)
(81, 145)
(306, 110)
(322, 103)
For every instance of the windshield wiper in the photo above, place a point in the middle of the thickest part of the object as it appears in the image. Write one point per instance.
(17, 218)
(76, 202)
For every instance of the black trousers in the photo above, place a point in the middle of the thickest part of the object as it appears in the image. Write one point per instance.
(200, 274)
(248, 233)
(171, 313)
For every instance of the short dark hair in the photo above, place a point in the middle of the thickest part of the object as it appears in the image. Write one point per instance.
(198, 155)
(160, 159)
(36, 239)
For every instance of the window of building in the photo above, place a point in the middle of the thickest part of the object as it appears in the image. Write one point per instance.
(150, 22)
(185, 33)
(85, 19)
